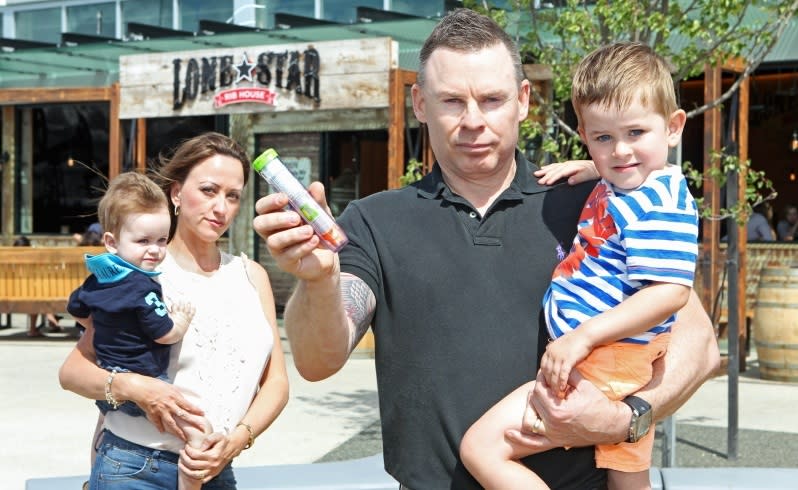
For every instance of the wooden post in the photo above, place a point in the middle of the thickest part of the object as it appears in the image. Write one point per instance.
(396, 129)
(742, 241)
(397, 110)
(711, 228)
(9, 159)
(114, 130)
(141, 144)
(25, 165)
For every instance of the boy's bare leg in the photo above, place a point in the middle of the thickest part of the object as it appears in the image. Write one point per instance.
(194, 438)
(621, 480)
(489, 456)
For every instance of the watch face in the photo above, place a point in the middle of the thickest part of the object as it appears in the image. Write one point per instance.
(642, 425)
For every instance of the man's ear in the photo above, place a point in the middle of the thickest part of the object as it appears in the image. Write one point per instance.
(523, 99)
(418, 103)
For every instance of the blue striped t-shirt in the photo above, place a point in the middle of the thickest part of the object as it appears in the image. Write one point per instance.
(625, 240)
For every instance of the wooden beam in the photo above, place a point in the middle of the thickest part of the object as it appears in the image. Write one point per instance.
(742, 240)
(711, 227)
(141, 144)
(16, 96)
(114, 130)
(396, 128)
(8, 156)
(25, 164)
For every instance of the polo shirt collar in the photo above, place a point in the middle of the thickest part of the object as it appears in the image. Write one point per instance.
(433, 186)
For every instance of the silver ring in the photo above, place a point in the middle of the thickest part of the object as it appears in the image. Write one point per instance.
(202, 475)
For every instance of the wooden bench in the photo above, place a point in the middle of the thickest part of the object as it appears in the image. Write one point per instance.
(39, 280)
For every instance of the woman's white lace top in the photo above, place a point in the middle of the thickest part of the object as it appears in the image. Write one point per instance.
(219, 362)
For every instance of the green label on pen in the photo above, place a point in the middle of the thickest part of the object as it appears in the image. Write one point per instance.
(309, 213)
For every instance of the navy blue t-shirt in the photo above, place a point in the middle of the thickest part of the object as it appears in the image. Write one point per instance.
(128, 314)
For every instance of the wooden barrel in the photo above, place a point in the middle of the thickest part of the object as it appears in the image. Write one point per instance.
(776, 323)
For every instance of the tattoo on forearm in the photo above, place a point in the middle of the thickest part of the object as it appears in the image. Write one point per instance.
(359, 302)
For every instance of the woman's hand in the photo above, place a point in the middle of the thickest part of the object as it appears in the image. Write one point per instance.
(162, 402)
(577, 171)
(208, 460)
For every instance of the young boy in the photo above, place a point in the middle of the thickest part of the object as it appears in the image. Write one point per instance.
(613, 298)
(123, 301)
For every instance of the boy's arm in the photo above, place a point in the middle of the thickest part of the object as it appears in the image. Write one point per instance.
(181, 315)
(636, 314)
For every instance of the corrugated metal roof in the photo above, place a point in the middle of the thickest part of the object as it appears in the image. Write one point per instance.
(97, 64)
(786, 49)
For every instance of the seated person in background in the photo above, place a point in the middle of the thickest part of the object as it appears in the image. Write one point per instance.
(122, 300)
(787, 227)
(759, 228)
(91, 237)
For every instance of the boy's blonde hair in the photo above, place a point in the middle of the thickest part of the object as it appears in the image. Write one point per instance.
(128, 193)
(614, 76)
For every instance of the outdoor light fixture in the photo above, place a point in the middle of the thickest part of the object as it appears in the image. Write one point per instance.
(794, 142)
(70, 162)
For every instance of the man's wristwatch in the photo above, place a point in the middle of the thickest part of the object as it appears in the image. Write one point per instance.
(641, 418)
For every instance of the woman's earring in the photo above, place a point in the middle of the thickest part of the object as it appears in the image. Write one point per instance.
(177, 210)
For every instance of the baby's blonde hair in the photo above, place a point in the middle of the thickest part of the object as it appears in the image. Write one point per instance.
(616, 75)
(129, 193)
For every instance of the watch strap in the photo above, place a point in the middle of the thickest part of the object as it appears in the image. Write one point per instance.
(639, 408)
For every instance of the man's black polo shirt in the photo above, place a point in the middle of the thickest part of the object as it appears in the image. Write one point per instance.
(458, 323)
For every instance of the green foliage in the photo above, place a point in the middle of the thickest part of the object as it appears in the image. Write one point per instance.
(688, 33)
(413, 172)
(758, 187)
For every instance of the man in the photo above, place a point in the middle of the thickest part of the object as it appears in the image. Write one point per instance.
(450, 273)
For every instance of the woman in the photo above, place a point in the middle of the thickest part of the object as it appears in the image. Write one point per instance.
(758, 227)
(229, 366)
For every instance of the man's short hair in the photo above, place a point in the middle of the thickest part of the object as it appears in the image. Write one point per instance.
(467, 31)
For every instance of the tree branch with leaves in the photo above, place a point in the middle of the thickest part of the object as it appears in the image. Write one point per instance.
(691, 34)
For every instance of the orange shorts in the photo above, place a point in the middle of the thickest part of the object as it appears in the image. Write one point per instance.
(618, 370)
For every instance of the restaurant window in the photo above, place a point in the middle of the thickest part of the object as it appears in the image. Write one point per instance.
(40, 25)
(305, 8)
(192, 11)
(164, 134)
(70, 165)
(97, 19)
(150, 12)
(345, 11)
(419, 8)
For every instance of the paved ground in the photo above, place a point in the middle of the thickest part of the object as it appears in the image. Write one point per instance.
(46, 431)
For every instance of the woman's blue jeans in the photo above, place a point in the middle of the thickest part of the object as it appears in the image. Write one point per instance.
(122, 465)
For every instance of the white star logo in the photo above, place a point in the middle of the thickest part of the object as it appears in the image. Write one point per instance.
(245, 69)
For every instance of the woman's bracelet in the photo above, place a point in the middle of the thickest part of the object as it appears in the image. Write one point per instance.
(109, 396)
(251, 434)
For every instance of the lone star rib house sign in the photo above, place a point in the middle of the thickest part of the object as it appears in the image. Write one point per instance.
(272, 78)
